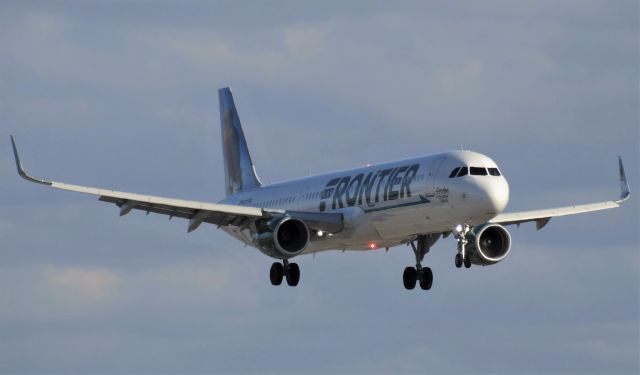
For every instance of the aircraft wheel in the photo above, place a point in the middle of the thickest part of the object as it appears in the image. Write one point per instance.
(467, 262)
(409, 277)
(293, 274)
(458, 260)
(426, 278)
(276, 273)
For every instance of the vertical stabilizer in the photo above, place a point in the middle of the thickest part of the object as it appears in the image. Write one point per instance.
(240, 173)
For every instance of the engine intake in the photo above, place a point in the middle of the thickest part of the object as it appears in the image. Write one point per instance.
(283, 238)
(488, 244)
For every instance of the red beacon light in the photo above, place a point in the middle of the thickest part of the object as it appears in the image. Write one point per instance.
(372, 245)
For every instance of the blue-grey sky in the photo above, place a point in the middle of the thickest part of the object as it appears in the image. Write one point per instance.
(124, 95)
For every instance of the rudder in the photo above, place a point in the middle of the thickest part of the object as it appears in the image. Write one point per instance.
(240, 174)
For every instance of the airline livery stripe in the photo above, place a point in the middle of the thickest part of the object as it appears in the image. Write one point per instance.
(423, 200)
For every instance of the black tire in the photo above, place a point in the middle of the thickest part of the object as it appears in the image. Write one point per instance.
(458, 260)
(409, 278)
(467, 262)
(426, 278)
(293, 274)
(276, 273)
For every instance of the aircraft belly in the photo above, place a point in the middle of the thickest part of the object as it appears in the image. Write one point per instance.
(358, 233)
(406, 221)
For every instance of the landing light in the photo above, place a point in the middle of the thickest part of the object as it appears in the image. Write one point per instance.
(320, 233)
(461, 228)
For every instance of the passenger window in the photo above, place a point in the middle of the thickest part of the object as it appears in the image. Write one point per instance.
(494, 172)
(454, 172)
(463, 172)
(477, 171)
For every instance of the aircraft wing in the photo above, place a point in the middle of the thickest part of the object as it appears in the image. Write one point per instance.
(196, 212)
(542, 217)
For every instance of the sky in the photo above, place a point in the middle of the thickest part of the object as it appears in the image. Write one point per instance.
(123, 95)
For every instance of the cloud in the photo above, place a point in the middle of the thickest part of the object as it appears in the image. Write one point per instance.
(98, 284)
(211, 279)
(124, 96)
(461, 81)
(59, 291)
(214, 52)
(77, 287)
(305, 42)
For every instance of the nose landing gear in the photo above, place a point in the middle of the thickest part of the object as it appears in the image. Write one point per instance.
(460, 233)
(459, 261)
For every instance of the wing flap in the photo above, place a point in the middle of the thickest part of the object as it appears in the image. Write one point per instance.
(542, 217)
(160, 202)
(195, 211)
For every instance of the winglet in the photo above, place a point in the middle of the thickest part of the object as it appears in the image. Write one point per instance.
(21, 171)
(625, 193)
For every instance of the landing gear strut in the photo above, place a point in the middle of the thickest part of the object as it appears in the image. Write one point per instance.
(422, 275)
(460, 233)
(285, 269)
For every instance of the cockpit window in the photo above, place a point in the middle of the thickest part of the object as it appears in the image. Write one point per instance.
(494, 172)
(463, 171)
(454, 172)
(477, 171)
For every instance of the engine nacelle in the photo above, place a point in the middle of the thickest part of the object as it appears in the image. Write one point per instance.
(488, 244)
(282, 238)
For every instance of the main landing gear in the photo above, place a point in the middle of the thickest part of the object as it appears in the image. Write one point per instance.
(460, 233)
(419, 274)
(285, 269)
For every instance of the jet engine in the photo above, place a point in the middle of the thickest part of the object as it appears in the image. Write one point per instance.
(488, 244)
(282, 238)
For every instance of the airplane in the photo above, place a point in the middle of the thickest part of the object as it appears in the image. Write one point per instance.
(414, 202)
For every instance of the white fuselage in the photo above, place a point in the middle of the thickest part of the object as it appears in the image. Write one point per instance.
(388, 204)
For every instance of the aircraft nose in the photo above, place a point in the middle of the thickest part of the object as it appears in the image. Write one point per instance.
(498, 194)
(490, 193)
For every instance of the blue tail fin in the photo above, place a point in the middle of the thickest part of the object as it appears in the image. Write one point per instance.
(240, 173)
